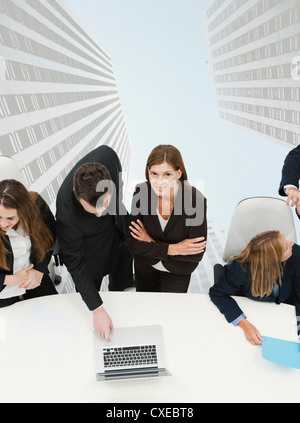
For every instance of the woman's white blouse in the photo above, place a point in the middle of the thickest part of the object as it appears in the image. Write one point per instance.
(21, 248)
(163, 224)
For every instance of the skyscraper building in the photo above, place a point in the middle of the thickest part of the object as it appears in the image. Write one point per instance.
(58, 97)
(254, 59)
(58, 94)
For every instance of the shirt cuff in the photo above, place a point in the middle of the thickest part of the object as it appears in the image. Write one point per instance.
(236, 321)
(98, 307)
(289, 186)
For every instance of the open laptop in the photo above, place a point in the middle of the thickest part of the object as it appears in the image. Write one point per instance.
(133, 352)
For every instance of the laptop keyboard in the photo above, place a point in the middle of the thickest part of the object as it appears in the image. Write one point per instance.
(130, 356)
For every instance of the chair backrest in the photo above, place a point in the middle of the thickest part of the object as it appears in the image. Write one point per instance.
(255, 215)
(10, 170)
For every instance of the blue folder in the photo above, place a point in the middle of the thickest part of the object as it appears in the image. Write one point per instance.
(285, 353)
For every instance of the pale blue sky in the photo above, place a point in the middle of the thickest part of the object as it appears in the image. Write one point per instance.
(158, 54)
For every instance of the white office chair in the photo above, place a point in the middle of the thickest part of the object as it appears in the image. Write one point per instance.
(253, 216)
(10, 170)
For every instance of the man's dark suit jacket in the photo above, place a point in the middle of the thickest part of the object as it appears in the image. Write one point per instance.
(82, 235)
(43, 265)
(177, 229)
(290, 171)
(235, 280)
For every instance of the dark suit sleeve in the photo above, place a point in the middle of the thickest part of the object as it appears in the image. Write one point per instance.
(71, 241)
(290, 170)
(293, 271)
(3, 274)
(9, 262)
(230, 282)
(112, 162)
(49, 220)
(152, 250)
(297, 303)
(196, 231)
(197, 224)
(2, 279)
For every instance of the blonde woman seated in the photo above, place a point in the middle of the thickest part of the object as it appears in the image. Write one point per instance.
(268, 269)
(27, 235)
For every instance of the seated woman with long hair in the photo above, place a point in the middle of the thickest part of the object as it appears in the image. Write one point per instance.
(267, 269)
(27, 236)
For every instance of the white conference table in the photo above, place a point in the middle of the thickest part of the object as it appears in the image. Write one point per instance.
(47, 352)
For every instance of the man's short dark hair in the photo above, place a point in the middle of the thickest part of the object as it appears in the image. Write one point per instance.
(86, 180)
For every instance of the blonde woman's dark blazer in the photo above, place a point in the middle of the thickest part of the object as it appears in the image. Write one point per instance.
(235, 280)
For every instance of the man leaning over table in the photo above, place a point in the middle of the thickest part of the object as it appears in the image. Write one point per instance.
(91, 223)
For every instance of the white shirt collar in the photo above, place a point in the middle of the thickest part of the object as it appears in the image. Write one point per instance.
(15, 232)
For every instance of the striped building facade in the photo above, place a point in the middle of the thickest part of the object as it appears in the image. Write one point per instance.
(58, 94)
(254, 59)
(58, 97)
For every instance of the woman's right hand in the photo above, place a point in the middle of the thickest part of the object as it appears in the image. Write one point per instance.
(187, 247)
(18, 278)
(251, 333)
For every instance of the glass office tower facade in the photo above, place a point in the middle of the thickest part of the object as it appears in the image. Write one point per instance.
(58, 94)
(254, 58)
(58, 97)
(203, 276)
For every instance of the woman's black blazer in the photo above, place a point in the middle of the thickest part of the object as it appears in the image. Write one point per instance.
(187, 220)
(42, 266)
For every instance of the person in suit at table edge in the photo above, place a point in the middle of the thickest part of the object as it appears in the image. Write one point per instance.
(91, 225)
(267, 269)
(27, 237)
(168, 227)
(289, 185)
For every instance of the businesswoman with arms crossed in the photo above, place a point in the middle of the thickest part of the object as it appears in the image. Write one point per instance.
(27, 235)
(267, 269)
(168, 227)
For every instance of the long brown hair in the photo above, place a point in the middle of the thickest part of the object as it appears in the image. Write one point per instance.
(14, 195)
(263, 254)
(169, 154)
